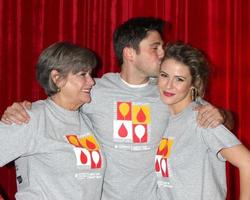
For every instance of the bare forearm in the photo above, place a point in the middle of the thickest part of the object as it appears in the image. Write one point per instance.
(244, 184)
(239, 156)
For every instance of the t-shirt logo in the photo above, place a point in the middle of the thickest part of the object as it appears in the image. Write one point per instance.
(131, 122)
(162, 155)
(87, 150)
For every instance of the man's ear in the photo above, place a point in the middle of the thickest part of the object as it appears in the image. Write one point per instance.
(128, 53)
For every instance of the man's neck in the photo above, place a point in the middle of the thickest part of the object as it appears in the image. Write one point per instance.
(135, 85)
(133, 78)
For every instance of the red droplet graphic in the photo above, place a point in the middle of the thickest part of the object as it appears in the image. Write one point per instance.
(164, 151)
(157, 166)
(122, 131)
(83, 158)
(141, 117)
(90, 144)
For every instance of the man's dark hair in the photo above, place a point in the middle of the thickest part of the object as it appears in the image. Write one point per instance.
(132, 32)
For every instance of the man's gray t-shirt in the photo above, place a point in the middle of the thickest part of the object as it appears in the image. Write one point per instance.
(57, 155)
(188, 164)
(129, 123)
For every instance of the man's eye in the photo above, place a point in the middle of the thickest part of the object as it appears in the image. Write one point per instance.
(82, 73)
(163, 75)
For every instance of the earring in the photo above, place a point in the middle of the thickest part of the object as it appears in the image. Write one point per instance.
(58, 90)
(194, 93)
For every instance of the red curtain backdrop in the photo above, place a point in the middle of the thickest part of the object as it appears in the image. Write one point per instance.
(219, 27)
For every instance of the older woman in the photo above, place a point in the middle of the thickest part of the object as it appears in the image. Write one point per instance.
(56, 154)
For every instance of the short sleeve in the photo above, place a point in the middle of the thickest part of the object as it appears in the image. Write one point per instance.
(219, 138)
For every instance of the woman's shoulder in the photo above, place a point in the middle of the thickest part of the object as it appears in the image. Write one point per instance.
(37, 107)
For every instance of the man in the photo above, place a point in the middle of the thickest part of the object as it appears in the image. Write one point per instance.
(127, 114)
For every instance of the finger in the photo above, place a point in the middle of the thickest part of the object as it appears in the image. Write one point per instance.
(19, 117)
(27, 104)
(206, 118)
(214, 124)
(16, 114)
(13, 118)
(202, 111)
(203, 118)
(5, 121)
(209, 122)
(215, 116)
(211, 114)
(22, 116)
(203, 122)
(16, 107)
(210, 119)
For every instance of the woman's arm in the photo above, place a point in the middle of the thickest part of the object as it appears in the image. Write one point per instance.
(239, 156)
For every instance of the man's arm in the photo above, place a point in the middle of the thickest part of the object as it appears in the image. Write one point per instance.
(16, 113)
(208, 115)
(228, 119)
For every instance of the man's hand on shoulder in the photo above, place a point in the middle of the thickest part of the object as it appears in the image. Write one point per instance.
(16, 113)
(210, 116)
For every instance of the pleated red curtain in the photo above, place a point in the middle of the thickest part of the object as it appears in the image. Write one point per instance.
(219, 27)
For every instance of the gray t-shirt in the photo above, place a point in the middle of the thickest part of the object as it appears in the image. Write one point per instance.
(129, 123)
(188, 164)
(57, 156)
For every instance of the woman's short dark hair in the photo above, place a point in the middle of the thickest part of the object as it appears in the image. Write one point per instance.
(65, 58)
(194, 59)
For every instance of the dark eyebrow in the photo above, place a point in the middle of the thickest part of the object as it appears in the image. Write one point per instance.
(181, 77)
(174, 76)
(156, 43)
(162, 72)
